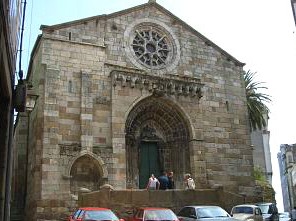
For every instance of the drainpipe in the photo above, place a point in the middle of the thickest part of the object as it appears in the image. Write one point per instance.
(8, 179)
(26, 167)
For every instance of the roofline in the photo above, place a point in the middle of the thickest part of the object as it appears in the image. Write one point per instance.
(34, 50)
(125, 11)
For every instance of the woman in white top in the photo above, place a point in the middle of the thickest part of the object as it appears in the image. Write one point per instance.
(189, 182)
(153, 183)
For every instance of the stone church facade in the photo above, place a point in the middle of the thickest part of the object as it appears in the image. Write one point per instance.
(128, 94)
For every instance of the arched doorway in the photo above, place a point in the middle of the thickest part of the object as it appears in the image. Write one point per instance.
(157, 139)
(85, 173)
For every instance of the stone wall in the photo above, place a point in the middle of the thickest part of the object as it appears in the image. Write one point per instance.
(123, 202)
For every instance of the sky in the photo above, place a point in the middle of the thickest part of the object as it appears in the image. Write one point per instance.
(261, 34)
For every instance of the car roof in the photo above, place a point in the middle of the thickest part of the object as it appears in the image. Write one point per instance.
(264, 203)
(203, 206)
(93, 208)
(246, 205)
(153, 208)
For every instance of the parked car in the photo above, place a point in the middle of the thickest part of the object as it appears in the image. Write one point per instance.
(93, 214)
(247, 212)
(153, 213)
(269, 211)
(285, 216)
(202, 213)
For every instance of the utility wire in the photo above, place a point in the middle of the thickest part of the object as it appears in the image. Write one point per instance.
(20, 73)
(30, 35)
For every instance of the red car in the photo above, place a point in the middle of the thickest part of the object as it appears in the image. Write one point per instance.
(153, 214)
(93, 214)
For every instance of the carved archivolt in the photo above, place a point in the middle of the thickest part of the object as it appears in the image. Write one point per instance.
(173, 85)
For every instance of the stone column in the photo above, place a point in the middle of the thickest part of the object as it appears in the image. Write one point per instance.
(120, 104)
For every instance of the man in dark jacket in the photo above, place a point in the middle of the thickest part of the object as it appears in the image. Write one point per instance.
(171, 180)
(164, 181)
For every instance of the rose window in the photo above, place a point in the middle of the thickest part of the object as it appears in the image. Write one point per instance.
(151, 48)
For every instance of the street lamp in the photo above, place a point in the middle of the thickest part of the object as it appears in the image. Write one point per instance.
(31, 100)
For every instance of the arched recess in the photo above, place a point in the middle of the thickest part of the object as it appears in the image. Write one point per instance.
(158, 127)
(87, 171)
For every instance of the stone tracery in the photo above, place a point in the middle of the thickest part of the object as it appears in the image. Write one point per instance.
(151, 47)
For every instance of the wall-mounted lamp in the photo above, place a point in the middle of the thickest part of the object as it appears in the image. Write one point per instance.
(24, 97)
(31, 100)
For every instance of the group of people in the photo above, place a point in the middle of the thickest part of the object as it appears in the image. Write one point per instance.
(166, 181)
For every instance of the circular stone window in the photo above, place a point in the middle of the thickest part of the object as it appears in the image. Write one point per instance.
(152, 45)
(151, 48)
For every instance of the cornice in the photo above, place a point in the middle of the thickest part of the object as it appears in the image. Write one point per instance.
(158, 85)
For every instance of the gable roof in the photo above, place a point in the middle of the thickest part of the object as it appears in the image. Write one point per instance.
(140, 7)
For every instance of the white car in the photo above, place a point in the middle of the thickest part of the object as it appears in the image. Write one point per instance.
(204, 213)
(247, 212)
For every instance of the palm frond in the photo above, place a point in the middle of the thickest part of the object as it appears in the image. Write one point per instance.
(256, 101)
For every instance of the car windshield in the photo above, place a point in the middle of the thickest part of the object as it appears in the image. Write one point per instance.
(210, 212)
(264, 208)
(242, 209)
(159, 215)
(100, 215)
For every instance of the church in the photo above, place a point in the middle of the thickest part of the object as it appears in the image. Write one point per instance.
(126, 95)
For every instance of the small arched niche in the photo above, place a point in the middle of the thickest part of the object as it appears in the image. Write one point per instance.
(87, 173)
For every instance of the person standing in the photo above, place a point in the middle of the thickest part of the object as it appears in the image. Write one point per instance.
(153, 183)
(189, 182)
(163, 181)
(171, 184)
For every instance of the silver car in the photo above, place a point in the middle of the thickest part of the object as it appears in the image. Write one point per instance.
(204, 213)
(247, 212)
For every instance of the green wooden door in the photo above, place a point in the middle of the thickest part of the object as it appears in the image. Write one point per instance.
(149, 163)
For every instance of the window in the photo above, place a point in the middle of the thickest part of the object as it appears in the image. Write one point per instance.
(70, 87)
(151, 47)
(185, 212)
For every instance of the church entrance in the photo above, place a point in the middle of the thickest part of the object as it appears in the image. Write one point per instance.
(157, 139)
(149, 162)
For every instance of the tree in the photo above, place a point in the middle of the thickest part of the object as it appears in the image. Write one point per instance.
(257, 108)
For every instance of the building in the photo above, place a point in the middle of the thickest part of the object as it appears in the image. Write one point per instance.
(10, 20)
(261, 153)
(125, 95)
(287, 168)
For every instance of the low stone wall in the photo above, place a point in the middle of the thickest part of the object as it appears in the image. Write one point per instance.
(123, 202)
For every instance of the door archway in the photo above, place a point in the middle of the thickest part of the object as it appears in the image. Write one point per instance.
(157, 139)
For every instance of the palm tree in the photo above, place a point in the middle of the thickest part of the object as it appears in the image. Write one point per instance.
(257, 108)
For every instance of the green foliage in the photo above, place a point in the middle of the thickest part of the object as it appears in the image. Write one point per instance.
(259, 174)
(266, 190)
(256, 100)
